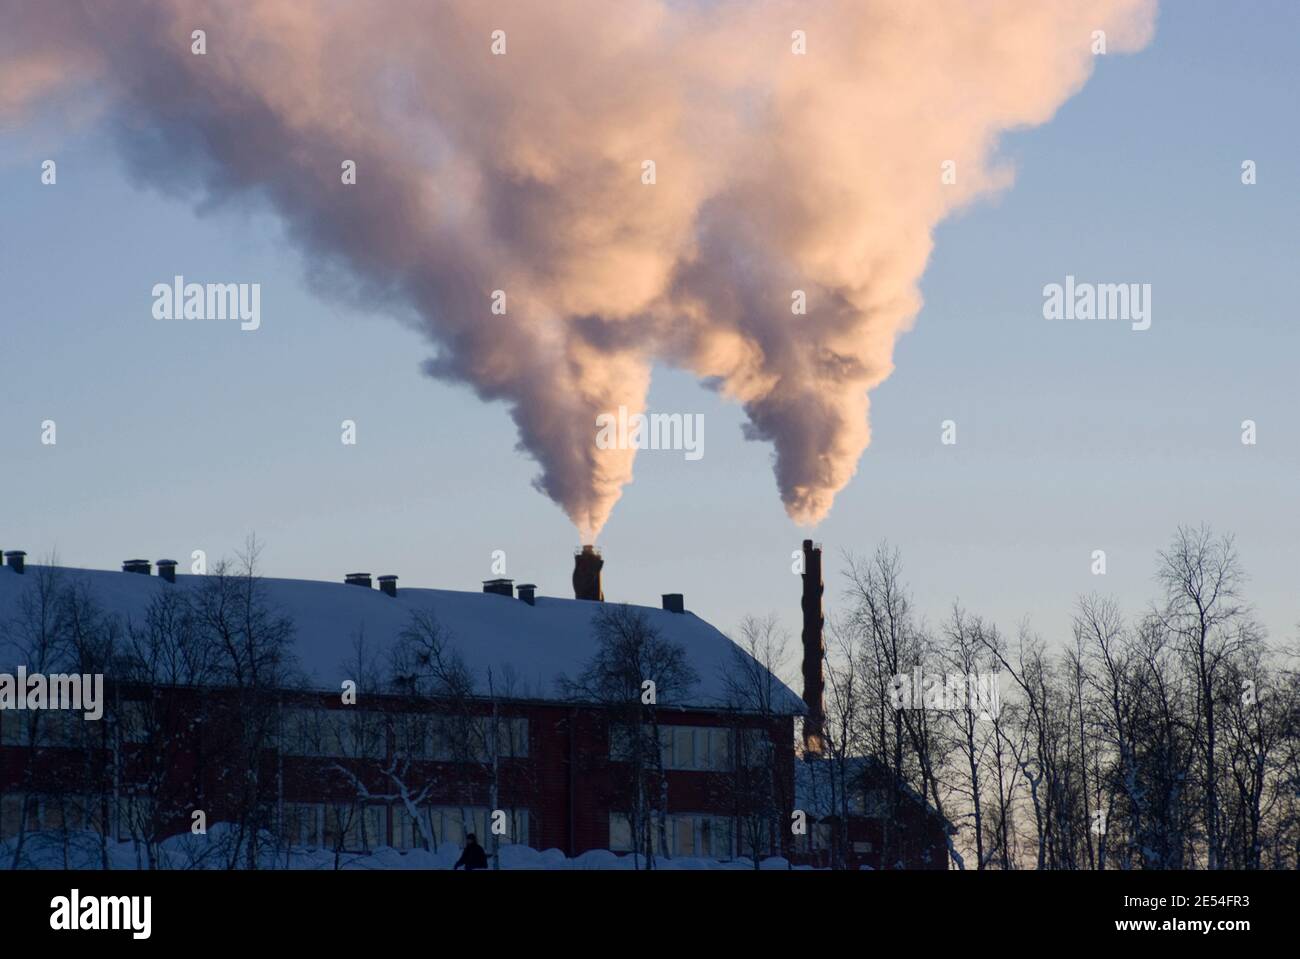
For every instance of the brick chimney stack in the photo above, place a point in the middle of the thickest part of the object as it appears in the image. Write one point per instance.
(587, 565)
(814, 648)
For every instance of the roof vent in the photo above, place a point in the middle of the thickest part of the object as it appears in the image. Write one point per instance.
(528, 593)
(499, 587)
(358, 579)
(16, 559)
(167, 569)
(674, 603)
(388, 584)
(142, 566)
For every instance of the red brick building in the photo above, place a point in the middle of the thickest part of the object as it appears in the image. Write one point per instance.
(855, 823)
(387, 768)
(335, 751)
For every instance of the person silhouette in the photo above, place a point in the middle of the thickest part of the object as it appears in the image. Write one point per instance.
(473, 857)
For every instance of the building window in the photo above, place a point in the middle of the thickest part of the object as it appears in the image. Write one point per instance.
(354, 827)
(134, 721)
(51, 728)
(720, 748)
(12, 815)
(709, 837)
(300, 824)
(135, 818)
(705, 748)
(344, 732)
(451, 824)
(620, 832)
(460, 739)
(681, 835)
(756, 748)
(512, 735)
(684, 748)
(754, 836)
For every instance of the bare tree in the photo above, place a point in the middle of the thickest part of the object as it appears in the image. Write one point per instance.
(759, 791)
(251, 656)
(1202, 578)
(633, 672)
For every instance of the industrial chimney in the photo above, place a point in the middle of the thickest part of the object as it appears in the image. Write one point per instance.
(586, 574)
(814, 649)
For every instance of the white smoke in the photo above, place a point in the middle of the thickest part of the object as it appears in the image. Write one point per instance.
(776, 171)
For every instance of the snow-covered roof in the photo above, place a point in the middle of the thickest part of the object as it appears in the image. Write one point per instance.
(536, 643)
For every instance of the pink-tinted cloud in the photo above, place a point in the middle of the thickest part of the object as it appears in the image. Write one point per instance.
(775, 172)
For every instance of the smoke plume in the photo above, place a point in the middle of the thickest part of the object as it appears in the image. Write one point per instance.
(775, 171)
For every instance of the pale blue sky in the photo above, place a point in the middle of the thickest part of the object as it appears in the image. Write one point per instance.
(1071, 437)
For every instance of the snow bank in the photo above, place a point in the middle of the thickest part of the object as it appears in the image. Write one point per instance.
(81, 850)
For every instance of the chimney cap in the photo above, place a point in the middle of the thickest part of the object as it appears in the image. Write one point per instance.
(165, 562)
(386, 578)
(15, 552)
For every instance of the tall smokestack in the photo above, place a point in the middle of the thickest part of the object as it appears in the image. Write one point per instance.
(814, 649)
(587, 565)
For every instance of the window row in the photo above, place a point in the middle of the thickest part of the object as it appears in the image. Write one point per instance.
(47, 728)
(453, 823)
(129, 817)
(73, 813)
(345, 732)
(361, 828)
(363, 733)
(691, 747)
(350, 827)
(679, 835)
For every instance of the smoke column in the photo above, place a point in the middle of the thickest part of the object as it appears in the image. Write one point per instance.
(775, 171)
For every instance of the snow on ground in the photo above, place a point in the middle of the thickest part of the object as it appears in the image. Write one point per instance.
(56, 850)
